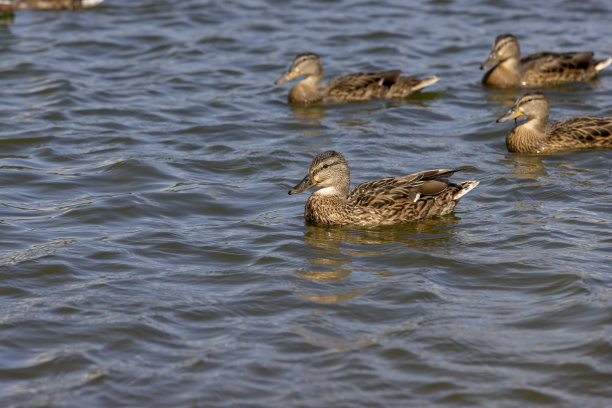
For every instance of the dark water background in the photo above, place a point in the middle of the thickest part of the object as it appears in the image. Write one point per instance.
(151, 255)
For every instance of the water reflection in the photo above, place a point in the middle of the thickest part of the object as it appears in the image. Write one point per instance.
(310, 114)
(527, 166)
(330, 279)
(6, 18)
(313, 113)
(335, 342)
(534, 166)
(324, 276)
(334, 248)
(419, 234)
(505, 98)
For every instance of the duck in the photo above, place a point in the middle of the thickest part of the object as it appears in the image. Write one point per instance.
(539, 137)
(540, 69)
(360, 86)
(12, 5)
(386, 201)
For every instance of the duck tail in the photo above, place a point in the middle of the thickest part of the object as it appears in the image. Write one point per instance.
(603, 64)
(91, 3)
(426, 82)
(466, 187)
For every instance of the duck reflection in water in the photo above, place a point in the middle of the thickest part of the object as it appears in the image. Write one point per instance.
(527, 166)
(332, 250)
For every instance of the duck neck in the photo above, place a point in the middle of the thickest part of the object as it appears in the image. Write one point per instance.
(504, 74)
(326, 207)
(528, 137)
(307, 90)
(340, 192)
(512, 69)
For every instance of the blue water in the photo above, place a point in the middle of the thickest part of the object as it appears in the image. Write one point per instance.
(152, 257)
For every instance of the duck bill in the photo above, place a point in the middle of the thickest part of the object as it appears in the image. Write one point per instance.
(287, 76)
(303, 185)
(511, 114)
(491, 60)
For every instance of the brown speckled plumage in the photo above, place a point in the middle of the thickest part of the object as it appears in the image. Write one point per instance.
(47, 5)
(355, 87)
(540, 69)
(385, 201)
(537, 136)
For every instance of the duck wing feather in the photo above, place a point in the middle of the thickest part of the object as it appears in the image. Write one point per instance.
(391, 190)
(362, 84)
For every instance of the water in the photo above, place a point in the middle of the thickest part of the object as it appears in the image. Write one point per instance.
(152, 257)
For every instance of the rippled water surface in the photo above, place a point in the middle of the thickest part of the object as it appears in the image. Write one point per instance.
(152, 257)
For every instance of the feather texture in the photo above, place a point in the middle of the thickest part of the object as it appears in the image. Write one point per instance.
(388, 200)
(360, 86)
(537, 136)
(539, 69)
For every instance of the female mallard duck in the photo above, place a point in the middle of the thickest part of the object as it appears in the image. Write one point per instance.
(11, 5)
(360, 86)
(386, 201)
(542, 68)
(536, 136)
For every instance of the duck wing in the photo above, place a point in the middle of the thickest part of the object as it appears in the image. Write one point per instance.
(362, 85)
(407, 189)
(583, 130)
(558, 67)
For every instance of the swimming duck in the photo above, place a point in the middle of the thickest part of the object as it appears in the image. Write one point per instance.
(536, 136)
(360, 86)
(542, 68)
(385, 201)
(11, 5)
